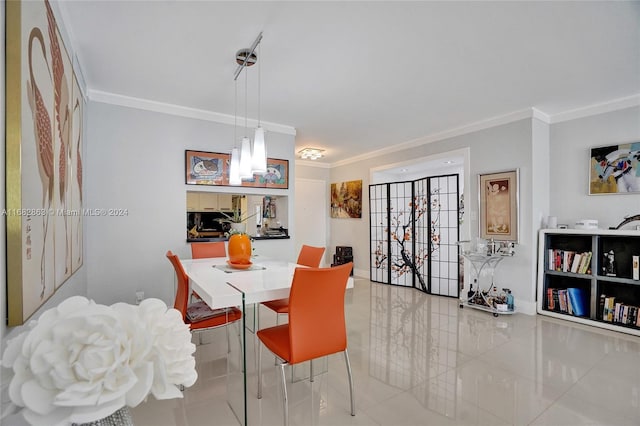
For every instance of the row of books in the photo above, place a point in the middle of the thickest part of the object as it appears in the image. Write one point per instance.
(615, 311)
(572, 301)
(570, 261)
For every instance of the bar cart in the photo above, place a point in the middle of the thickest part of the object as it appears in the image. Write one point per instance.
(487, 297)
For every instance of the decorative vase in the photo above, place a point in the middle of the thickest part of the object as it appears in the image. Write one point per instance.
(239, 249)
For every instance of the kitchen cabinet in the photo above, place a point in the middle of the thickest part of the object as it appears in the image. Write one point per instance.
(209, 202)
(225, 202)
(193, 201)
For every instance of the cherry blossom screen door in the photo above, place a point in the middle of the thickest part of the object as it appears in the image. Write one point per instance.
(414, 232)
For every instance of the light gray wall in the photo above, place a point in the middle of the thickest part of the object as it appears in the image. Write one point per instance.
(569, 159)
(136, 161)
(495, 149)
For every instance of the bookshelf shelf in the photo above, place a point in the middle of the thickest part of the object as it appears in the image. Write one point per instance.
(572, 284)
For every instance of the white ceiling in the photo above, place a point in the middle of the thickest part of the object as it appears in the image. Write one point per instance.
(356, 77)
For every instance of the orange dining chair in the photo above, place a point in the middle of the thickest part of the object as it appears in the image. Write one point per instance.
(198, 315)
(208, 249)
(316, 325)
(309, 256)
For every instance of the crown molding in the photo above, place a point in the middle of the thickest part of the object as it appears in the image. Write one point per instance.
(181, 111)
(459, 131)
(601, 108)
(309, 163)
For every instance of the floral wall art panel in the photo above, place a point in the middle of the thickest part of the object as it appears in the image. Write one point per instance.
(444, 236)
(401, 233)
(39, 125)
(421, 233)
(379, 227)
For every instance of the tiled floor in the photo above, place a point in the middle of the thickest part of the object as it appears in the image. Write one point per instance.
(421, 360)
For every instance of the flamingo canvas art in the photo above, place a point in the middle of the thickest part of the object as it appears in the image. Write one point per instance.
(44, 141)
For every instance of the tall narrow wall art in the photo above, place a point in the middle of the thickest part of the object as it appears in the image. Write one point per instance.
(44, 132)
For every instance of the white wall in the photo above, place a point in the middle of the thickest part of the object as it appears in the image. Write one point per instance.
(136, 161)
(569, 161)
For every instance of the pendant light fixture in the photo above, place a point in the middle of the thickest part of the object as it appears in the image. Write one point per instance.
(250, 161)
(234, 165)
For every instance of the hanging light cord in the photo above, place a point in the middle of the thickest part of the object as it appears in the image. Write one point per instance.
(235, 113)
(245, 104)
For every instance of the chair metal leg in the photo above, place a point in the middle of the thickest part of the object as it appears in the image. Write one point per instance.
(311, 370)
(285, 403)
(259, 370)
(353, 403)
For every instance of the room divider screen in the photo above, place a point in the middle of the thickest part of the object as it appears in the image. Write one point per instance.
(414, 232)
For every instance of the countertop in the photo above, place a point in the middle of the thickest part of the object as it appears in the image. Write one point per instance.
(262, 237)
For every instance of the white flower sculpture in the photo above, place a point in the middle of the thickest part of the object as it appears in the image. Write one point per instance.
(81, 361)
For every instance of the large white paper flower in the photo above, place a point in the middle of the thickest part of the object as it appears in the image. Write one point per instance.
(81, 361)
(171, 353)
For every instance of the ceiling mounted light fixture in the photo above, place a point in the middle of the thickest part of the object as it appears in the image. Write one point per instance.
(248, 161)
(311, 153)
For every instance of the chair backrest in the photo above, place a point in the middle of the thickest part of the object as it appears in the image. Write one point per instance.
(310, 256)
(316, 312)
(208, 249)
(182, 293)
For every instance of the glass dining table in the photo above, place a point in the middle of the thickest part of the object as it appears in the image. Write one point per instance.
(222, 286)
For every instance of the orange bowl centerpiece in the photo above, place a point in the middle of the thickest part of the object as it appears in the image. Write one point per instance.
(239, 249)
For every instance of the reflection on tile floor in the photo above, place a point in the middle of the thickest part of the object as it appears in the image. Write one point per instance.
(421, 360)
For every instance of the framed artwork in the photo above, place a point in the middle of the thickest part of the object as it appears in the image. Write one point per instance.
(44, 144)
(614, 169)
(212, 168)
(268, 207)
(346, 199)
(498, 207)
(207, 168)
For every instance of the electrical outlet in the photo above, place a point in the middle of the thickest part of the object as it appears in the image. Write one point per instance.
(139, 297)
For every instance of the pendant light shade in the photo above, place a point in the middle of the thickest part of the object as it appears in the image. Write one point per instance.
(234, 168)
(259, 158)
(245, 159)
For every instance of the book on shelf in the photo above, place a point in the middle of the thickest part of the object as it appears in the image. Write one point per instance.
(572, 301)
(578, 301)
(576, 262)
(585, 263)
(601, 311)
(566, 263)
(617, 311)
(569, 261)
